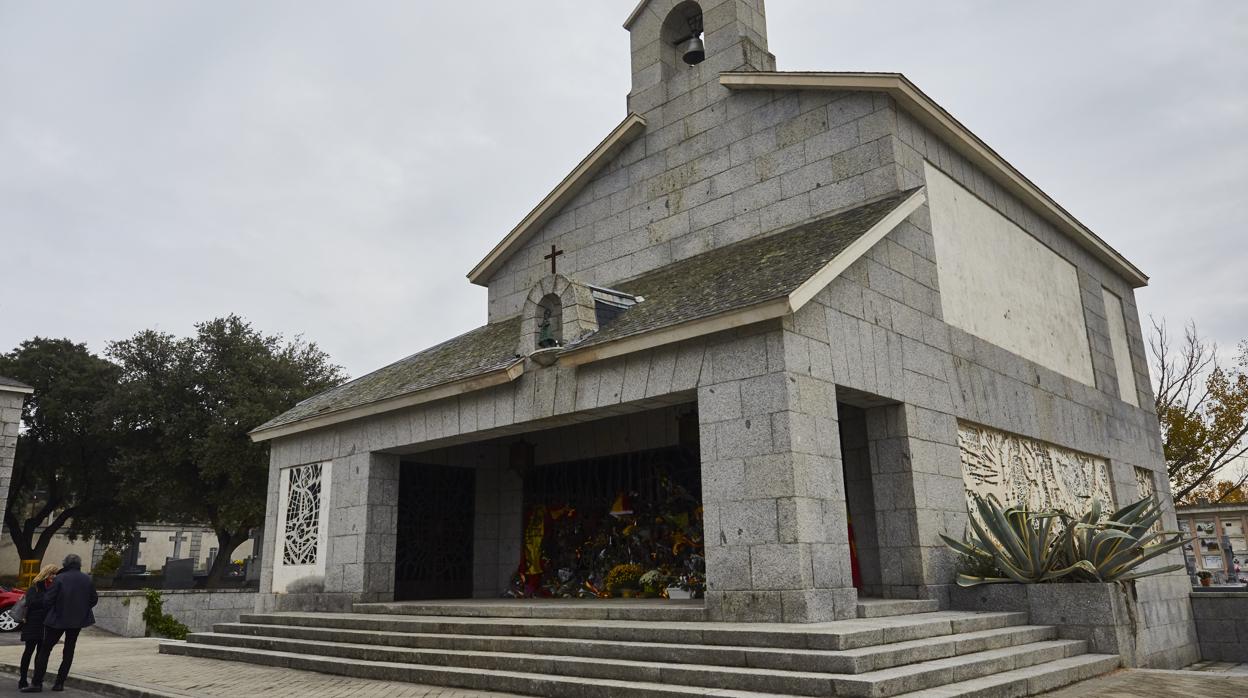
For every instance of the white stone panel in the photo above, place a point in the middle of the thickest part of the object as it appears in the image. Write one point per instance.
(1002, 285)
(1122, 350)
(1018, 470)
(302, 527)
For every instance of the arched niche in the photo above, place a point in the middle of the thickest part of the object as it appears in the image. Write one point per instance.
(549, 322)
(557, 309)
(683, 22)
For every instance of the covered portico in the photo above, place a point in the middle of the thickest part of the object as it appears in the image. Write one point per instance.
(382, 466)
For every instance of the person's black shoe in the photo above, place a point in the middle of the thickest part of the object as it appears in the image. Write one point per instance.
(21, 683)
(58, 687)
(33, 689)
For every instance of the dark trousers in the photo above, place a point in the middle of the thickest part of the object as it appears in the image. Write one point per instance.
(31, 646)
(51, 636)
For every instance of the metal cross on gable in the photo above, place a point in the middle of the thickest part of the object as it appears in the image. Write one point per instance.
(553, 257)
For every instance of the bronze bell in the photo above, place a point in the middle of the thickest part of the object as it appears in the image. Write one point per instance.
(692, 50)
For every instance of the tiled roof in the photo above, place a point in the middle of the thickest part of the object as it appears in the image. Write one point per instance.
(719, 281)
(479, 351)
(741, 275)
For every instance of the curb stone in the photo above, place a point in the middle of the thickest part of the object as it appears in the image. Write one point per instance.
(103, 686)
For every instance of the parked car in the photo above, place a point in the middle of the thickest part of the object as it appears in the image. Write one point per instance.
(8, 597)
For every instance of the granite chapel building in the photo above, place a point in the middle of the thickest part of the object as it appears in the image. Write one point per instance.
(766, 336)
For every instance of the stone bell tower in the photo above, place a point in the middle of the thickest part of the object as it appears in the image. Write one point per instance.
(734, 33)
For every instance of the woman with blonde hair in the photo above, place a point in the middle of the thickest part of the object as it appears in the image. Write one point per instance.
(36, 610)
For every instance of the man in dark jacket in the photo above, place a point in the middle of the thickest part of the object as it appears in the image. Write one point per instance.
(69, 603)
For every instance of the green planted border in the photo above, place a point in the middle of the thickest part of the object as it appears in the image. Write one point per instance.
(161, 623)
(1018, 545)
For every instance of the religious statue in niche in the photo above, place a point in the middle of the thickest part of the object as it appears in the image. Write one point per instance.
(550, 329)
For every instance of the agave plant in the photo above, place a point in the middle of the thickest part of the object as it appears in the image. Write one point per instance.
(1123, 541)
(1024, 546)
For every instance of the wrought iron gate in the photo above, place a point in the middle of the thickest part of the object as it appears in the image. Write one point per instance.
(433, 559)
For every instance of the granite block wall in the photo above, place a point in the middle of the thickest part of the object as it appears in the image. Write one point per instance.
(773, 488)
(10, 419)
(713, 167)
(1222, 625)
(121, 612)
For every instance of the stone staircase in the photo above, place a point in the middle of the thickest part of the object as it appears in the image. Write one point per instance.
(894, 648)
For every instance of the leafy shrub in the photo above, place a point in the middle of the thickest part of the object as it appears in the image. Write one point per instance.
(109, 564)
(160, 623)
(627, 576)
(1029, 547)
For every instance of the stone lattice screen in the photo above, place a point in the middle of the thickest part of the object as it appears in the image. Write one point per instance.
(303, 515)
(1019, 470)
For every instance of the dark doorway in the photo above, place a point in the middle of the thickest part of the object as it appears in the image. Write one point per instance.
(433, 559)
(860, 499)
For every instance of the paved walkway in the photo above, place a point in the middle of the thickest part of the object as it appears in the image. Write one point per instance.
(1148, 683)
(1221, 668)
(136, 663)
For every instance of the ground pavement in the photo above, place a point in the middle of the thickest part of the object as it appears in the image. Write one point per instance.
(134, 664)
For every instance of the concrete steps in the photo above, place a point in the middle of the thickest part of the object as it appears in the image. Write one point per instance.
(1027, 681)
(603, 609)
(840, 662)
(839, 635)
(883, 608)
(939, 653)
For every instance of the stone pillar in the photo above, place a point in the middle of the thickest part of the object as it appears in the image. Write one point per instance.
(919, 494)
(497, 530)
(777, 546)
(362, 526)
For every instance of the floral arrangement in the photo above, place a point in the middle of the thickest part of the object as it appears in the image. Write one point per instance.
(654, 582)
(626, 576)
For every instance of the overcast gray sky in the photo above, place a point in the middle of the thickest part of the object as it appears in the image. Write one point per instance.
(334, 169)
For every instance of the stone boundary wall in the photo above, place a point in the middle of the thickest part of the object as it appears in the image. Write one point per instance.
(121, 612)
(1222, 625)
(1113, 619)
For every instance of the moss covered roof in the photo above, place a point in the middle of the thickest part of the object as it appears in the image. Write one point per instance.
(722, 280)
(482, 350)
(740, 275)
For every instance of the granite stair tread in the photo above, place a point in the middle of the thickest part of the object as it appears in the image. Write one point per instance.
(934, 653)
(885, 682)
(1025, 681)
(882, 608)
(838, 635)
(833, 661)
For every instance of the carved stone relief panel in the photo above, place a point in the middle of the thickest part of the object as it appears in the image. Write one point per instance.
(1019, 470)
(1144, 479)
